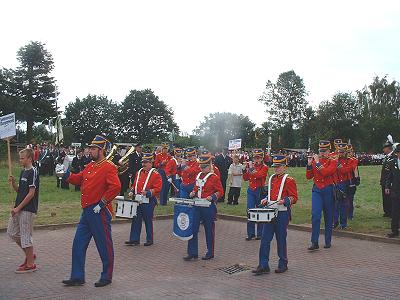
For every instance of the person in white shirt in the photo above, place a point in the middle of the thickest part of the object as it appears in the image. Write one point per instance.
(235, 178)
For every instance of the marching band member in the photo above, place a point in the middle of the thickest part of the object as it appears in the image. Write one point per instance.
(171, 169)
(208, 186)
(148, 183)
(189, 169)
(160, 163)
(255, 173)
(392, 189)
(99, 186)
(287, 196)
(352, 187)
(342, 181)
(321, 168)
(214, 168)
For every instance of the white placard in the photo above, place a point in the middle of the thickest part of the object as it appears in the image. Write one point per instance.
(7, 126)
(235, 144)
(76, 144)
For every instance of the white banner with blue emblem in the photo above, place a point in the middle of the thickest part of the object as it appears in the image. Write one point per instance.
(183, 221)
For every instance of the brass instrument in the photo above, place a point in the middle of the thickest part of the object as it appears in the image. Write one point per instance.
(123, 162)
(113, 151)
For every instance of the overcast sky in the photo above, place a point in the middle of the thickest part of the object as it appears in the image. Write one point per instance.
(202, 57)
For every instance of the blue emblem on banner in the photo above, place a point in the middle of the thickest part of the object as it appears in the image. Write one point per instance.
(183, 221)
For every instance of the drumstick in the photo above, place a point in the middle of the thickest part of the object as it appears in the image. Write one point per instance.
(175, 187)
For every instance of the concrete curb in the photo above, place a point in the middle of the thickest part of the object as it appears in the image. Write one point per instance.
(348, 234)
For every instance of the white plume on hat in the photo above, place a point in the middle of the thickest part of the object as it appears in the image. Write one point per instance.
(390, 138)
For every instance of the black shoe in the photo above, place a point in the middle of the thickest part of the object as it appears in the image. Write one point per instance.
(385, 215)
(102, 282)
(392, 235)
(73, 282)
(132, 243)
(149, 243)
(190, 257)
(249, 238)
(281, 270)
(229, 203)
(258, 238)
(327, 246)
(235, 203)
(207, 257)
(260, 270)
(335, 225)
(313, 247)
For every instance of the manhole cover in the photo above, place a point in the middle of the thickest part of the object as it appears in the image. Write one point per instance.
(234, 269)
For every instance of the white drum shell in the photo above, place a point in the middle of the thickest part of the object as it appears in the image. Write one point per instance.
(126, 209)
(261, 215)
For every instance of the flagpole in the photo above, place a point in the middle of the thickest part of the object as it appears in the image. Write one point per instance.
(56, 140)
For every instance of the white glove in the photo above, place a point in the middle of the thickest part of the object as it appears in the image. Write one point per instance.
(170, 180)
(96, 209)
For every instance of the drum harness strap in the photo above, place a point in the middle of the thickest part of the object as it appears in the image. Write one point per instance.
(147, 179)
(275, 204)
(201, 182)
(177, 164)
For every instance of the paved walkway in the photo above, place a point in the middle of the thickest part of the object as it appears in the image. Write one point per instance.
(351, 269)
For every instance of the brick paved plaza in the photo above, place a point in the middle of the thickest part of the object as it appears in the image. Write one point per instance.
(351, 269)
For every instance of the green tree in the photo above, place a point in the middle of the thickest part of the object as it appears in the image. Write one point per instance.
(144, 117)
(90, 116)
(8, 100)
(34, 85)
(286, 103)
(218, 128)
(378, 108)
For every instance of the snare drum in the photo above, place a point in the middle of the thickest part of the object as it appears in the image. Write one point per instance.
(126, 208)
(260, 215)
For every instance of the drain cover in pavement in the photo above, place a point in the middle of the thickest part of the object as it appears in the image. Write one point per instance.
(234, 269)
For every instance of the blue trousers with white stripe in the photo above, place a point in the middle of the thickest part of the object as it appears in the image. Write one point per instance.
(97, 226)
(279, 228)
(322, 200)
(207, 214)
(253, 200)
(145, 212)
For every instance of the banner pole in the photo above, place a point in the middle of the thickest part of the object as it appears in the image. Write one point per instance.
(9, 157)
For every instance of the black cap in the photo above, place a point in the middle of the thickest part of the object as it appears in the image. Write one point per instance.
(138, 144)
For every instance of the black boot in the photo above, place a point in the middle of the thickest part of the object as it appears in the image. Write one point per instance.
(313, 247)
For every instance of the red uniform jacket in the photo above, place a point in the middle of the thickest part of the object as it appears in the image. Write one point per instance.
(171, 168)
(161, 160)
(98, 181)
(323, 172)
(154, 184)
(190, 172)
(216, 170)
(213, 185)
(289, 189)
(256, 179)
(345, 172)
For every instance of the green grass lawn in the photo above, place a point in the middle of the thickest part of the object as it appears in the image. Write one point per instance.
(63, 206)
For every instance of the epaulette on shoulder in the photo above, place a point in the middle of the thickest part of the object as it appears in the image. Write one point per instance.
(111, 163)
(156, 172)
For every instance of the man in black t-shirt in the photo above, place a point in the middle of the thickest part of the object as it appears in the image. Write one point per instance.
(20, 225)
